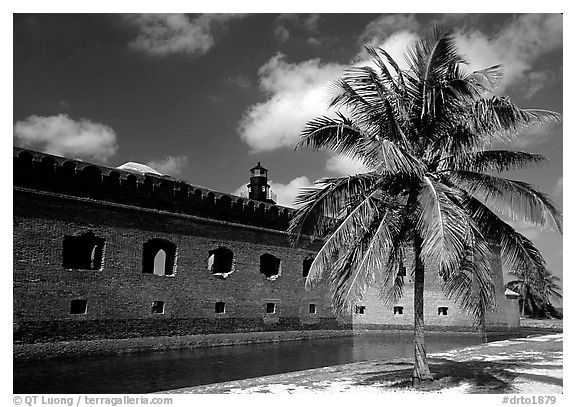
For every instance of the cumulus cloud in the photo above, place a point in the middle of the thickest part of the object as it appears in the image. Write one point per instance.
(297, 92)
(163, 34)
(61, 135)
(517, 46)
(395, 45)
(285, 193)
(377, 31)
(343, 165)
(171, 165)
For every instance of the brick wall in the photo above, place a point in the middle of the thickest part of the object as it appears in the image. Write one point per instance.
(377, 315)
(119, 295)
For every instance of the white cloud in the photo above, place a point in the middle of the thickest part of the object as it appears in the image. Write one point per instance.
(395, 45)
(285, 193)
(517, 46)
(379, 30)
(171, 165)
(61, 135)
(343, 165)
(297, 93)
(163, 34)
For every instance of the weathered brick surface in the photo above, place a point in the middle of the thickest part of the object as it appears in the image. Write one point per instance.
(119, 295)
(377, 315)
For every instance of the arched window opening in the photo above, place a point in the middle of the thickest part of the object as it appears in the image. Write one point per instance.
(306, 266)
(91, 178)
(221, 262)
(160, 263)
(159, 257)
(47, 166)
(69, 170)
(83, 252)
(270, 266)
(113, 180)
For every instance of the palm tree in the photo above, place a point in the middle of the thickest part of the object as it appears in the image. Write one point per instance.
(537, 289)
(424, 134)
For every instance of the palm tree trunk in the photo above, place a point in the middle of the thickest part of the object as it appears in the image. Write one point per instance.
(421, 370)
(524, 301)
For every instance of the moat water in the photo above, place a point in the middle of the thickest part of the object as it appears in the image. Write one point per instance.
(158, 371)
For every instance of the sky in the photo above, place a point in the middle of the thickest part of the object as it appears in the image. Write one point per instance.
(203, 97)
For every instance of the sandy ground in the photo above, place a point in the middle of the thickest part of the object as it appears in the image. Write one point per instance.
(524, 365)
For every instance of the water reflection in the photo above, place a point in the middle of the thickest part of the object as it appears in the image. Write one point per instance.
(149, 372)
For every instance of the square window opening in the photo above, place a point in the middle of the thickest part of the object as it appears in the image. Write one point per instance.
(270, 308)
(83, 252)
(398, 310)
(270, 266)
(157, 307)
(360, 309)
(78, 306)
(402, 271)
(312, 308)
(220, 307)
(306, 264)
(442, 310)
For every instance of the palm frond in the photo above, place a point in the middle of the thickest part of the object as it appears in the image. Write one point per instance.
(375, 253)
(390, 284)
(498, 119)
(322, 206)
(364, 260)
(516, 199)
(443, 226)
(363, 92)
(517, 251)
(396, 85)
(349, 229)
(497, 160)
(472, 286)
(488, 78)
(395, 160)
(339, 135)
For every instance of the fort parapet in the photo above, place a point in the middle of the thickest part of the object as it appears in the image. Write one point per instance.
(51, 173)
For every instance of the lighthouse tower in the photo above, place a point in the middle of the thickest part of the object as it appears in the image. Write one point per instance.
(258, 188)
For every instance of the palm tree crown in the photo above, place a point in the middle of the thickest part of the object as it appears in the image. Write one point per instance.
(432, 189)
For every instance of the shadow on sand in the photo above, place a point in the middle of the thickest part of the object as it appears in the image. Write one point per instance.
(482, 376)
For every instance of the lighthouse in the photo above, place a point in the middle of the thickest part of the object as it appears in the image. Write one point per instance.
(258, 188)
